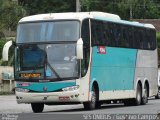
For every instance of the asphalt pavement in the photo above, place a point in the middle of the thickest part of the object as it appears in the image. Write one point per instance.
(10, 110)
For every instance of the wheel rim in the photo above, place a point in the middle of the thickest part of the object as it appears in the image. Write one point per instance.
(139, 96)
(145, 93)
(93, 99)
(158, 93)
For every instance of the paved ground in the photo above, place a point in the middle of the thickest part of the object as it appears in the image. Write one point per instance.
(9, 106)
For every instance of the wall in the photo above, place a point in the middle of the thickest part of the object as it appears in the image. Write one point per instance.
(6, 85)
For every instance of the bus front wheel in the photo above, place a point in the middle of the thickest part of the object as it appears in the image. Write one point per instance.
(91, 104)
(37, 107)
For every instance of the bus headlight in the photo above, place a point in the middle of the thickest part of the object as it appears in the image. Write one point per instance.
(71, 88)
(21, 90)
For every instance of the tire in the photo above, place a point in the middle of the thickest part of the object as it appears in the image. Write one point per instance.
(37, 107)
(94, 101)
(137, 100)
(158, 94)
(98, 104)
(144, 99)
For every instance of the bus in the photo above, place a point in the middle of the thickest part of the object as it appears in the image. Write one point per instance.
(87, 58)
(158, 94)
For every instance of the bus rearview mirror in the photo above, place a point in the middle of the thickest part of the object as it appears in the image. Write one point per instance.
(79, 49)
(6, 50)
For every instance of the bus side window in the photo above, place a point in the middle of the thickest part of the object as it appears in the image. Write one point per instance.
(93, 32)
(128, 45)
(111, 34)
(105, 33)
(136, 39)
(147, 44)
(153, 39)
(142, 41)
(97, 33)
(130, 37)
(116, 35)
(124, 40)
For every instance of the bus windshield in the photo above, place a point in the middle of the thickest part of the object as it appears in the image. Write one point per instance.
(55, 60)
(48, 31)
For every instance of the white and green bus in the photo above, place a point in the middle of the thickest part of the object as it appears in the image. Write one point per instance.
(86, 57)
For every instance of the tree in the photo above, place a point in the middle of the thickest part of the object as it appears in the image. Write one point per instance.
(10, 14)
(126, 9)
(94, 5)
(48, 6)
(146, 9)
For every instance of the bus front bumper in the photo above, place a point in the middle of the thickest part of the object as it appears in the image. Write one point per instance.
(67, 96)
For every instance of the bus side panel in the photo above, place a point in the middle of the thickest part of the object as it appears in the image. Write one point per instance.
(114, 70)
(146, 69)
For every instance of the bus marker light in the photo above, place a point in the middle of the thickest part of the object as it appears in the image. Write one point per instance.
(71, 88)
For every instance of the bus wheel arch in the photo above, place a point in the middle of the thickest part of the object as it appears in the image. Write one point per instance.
(138, 98)
(95, 84)
(147, 85)
(94, 102)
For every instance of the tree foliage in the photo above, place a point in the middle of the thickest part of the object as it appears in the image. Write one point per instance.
(126, 9)
(48, 6)
(10, 13)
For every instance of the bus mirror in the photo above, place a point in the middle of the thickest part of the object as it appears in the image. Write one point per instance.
(80, 49)
(5, 50)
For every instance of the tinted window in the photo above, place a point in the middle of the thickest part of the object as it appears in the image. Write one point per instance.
(122, 35)
(48, 31)
(86, 48)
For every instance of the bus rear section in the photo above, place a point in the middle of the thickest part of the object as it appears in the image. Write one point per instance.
(124, 60)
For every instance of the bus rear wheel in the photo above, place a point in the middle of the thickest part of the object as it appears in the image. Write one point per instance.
(158, 94)
(93, 103)
(145, 96)
(37, 107)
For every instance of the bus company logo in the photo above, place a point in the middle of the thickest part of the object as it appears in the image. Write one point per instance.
(102, 50)
(44, 88)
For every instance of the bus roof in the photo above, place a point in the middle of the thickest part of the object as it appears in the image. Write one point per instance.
(82, 15)
(125, 22)
(69, 15)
